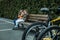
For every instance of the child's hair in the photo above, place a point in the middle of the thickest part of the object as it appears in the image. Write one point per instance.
(23, 12)
(19, 13)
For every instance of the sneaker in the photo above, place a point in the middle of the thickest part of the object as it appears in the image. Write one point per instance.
(15, 28)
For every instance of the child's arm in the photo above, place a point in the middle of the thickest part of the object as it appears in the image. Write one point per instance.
(20, 15)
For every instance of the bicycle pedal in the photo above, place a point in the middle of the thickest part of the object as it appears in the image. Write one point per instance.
(47, 38)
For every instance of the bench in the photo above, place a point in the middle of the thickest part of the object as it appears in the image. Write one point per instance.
(31, 18)
(37, 17)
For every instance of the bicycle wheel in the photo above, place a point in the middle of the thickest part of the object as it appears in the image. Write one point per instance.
(36, 27)
(57, 37)
(43, 35)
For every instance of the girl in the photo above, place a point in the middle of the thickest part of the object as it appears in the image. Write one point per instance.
(21, 18)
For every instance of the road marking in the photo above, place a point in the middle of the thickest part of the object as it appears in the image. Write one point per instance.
(5, 29)
(7, 21)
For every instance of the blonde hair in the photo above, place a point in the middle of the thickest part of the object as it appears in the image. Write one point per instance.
(19, 13)
(22, 14)
(22, 11)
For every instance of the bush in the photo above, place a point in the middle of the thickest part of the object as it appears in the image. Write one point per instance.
(10, 8)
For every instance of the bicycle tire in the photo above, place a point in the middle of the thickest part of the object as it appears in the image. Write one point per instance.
(29, 28)
(45, 31)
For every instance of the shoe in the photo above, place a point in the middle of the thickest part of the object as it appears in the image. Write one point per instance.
(15, 28)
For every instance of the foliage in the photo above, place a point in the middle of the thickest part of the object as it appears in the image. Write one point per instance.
(10, 8)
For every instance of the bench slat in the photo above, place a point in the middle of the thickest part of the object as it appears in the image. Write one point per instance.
(38, 15)
(41, 19)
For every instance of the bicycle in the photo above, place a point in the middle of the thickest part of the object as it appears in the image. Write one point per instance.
(38, 27)
(42, 35)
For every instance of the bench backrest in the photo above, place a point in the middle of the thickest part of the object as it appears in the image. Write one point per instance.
(37, 17)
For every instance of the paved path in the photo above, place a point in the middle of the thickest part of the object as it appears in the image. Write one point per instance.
(6, 32)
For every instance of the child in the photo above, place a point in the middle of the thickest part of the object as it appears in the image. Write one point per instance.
(21, 18)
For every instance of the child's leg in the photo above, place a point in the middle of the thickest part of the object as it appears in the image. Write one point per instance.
(17, 22)
(14, 21)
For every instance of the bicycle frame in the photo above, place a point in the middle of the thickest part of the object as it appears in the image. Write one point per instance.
(56, 20)
(49, 23)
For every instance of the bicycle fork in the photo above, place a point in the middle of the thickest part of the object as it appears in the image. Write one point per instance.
(49, 33)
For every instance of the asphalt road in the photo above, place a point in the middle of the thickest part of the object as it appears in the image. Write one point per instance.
(6, 32)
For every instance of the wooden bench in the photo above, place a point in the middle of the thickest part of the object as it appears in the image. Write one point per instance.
(31, 18)
(37, 17)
